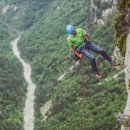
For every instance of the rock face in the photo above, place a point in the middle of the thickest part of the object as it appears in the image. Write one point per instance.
(122, 39)
(45, 110)
(117, 57)
(122, 24)
(127, 78)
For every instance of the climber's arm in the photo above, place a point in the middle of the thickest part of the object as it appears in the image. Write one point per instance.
(75, 52)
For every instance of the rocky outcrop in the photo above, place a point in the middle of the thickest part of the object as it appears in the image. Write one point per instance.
(45, 110)
(122, 39)
(127, 76)
(118, 58)
(122, 23)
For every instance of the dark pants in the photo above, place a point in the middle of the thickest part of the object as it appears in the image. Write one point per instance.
(85, 49)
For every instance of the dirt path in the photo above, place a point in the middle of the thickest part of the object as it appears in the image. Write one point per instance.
(29, 103)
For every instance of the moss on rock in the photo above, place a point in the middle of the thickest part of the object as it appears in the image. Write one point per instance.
(122, 24)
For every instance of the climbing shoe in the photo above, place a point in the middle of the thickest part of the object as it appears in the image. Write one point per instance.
(97, 75)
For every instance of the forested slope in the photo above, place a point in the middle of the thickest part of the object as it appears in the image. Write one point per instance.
(12, 87)
(44, 46)
(22, 14)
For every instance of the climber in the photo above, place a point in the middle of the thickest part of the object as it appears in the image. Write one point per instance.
(78, 41)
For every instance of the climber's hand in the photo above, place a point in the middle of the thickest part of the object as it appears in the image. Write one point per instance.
(80, 55)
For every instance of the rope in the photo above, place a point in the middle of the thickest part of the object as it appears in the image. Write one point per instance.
(84, 99)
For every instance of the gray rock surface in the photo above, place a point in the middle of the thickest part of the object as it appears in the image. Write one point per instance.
(127, 77)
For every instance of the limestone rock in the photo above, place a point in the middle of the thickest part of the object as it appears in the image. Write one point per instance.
(127, 76)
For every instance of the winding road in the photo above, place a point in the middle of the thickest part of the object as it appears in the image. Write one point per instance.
(29, 103)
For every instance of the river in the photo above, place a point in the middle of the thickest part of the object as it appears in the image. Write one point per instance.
(28, 112)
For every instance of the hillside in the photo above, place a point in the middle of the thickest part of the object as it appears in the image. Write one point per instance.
(22, 14)
(44, 45)
(12, 87)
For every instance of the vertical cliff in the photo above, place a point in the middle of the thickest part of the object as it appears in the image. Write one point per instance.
(122, 23)
(127, 75)
(122, 38)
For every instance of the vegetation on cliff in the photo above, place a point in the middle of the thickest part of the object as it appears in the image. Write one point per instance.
(44, 46)
(122, 24)
(12, 87)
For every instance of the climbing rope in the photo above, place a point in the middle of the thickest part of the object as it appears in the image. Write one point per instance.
(83, 92)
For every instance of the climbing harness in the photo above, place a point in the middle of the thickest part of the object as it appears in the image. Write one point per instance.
(83, 92)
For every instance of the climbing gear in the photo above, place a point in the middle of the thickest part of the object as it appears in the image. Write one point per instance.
(84, 99)
(70, 29)
(81, 46)
(86, 27)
